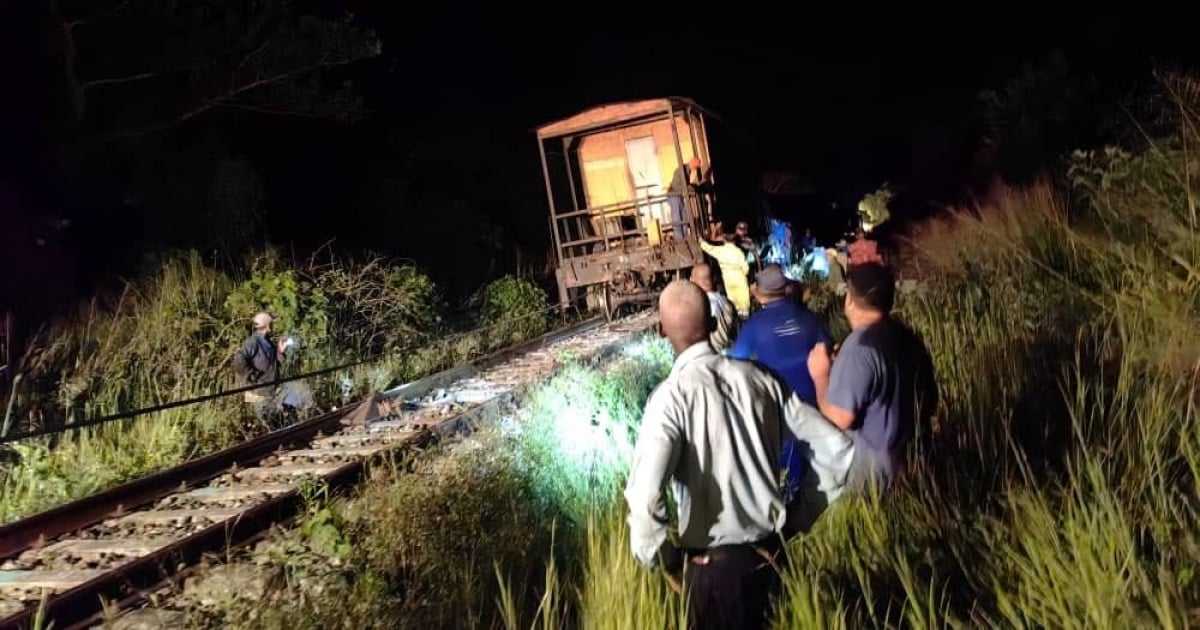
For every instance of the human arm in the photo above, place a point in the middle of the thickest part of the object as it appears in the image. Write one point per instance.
(654, 458)
(743, 346)
(243, 362)
(845, 388)
(726, 328)
(831, 452)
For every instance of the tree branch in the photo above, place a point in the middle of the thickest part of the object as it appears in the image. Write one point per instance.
(264, 110)
(224, 99)
(111, 12)
(87, 85)
(252, 54)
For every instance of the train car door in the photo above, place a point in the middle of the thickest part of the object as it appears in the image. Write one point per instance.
(641, 155)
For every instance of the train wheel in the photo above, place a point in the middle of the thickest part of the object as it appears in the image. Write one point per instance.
(599, 298)
(605, 296)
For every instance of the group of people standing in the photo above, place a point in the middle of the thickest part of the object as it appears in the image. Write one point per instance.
(763, 422)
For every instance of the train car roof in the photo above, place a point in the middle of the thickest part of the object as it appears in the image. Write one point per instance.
(611, 114)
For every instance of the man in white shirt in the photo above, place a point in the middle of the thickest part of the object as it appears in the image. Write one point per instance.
(714, 429)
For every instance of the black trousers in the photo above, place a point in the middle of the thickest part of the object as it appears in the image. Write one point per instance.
(731, 586)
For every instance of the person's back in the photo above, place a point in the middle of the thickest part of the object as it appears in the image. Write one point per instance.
(712, 432)
(897, 366)
(733, 434)
(881, 386)
(780, 336)
(734, 268)
(863, 251)
(257, 362)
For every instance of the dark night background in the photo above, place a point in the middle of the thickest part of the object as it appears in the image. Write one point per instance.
(441, 166)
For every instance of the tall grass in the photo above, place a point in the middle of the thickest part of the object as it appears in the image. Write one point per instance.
(491, 531)
(172, 336)
(1059, 487)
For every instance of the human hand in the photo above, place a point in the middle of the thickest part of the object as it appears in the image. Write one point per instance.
(819, 362)
(673, 582)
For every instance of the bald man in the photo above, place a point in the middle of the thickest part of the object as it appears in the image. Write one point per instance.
(713, 430)
(258, 362)
(723, 314)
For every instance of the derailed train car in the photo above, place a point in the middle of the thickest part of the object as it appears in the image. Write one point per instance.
(630, 191)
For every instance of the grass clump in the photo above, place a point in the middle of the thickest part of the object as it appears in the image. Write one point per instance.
(487, 532)
(172, 335)
(1059, 487)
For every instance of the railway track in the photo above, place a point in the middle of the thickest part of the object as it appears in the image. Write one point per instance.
(117, 545)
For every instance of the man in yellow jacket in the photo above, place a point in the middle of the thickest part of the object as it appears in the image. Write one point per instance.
(734, 268)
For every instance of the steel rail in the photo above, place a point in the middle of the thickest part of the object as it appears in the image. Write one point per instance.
(82, 604)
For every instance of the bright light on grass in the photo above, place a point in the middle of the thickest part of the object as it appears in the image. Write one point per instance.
(1058, 489)
(580, 427)
(171, 336)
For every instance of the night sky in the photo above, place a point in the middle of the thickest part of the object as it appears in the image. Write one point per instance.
(846, 102)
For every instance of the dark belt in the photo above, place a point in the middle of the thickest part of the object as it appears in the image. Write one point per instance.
(768, 549)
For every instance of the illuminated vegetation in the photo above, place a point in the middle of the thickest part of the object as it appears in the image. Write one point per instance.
(172, 337)
(1059, 488)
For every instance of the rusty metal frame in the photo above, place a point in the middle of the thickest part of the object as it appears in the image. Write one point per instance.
(549, 192)
(584, 130)
(577, 265)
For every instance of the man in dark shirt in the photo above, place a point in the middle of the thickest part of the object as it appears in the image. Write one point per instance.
(780, 336)
(258, 362)
(881, 388)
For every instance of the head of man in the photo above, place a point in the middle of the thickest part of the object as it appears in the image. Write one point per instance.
(860, 234)
(770, 284)
(262, 323)
(702, 277)
(870, 293)
(743, 229)
(684, 317)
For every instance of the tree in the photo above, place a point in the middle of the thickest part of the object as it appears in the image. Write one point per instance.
(143, 66)
(144, 79)
(873, 209)
(1051, 108)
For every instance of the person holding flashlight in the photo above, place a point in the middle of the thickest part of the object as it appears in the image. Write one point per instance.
(258, 363)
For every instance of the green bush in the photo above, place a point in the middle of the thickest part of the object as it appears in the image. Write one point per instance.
(510, 309)
(1060, 486)
(378, 307)
(298, 306)
(172, 336)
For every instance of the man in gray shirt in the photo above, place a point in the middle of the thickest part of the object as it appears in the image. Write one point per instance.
(713, 429)
(881, 388)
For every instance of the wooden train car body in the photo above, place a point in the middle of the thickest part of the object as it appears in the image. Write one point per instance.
(627, 203)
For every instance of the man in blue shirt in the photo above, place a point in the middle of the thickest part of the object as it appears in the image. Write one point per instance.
(881, 387)
(780, 336)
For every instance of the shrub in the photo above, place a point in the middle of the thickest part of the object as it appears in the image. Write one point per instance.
(509, 309)
(297, 305)
(378, 306)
